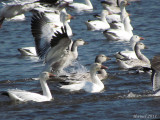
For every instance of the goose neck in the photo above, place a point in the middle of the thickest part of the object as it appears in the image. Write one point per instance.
(140, 56)
(95, 79)
(74, 47)
(103, 17)
(45, 88)
(88, 2)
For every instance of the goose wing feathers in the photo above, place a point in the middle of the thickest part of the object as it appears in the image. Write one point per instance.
(42, 32)
(60, 45)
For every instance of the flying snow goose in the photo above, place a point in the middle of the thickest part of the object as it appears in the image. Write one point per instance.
(56, 47)
(93, 86)
(79, 7)
(99, 24)
(142, 60)
(24, 96)
(155, 77)
(62, 52)
(47, 28)
(129, 54)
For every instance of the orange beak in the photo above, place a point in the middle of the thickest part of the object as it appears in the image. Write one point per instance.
(141, 38)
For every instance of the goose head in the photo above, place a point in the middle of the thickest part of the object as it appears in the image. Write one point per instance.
(140, 46)
(46, 75)
(101, 58)
(80, 42)
(124, 3)
(135, 39)
(97, 66)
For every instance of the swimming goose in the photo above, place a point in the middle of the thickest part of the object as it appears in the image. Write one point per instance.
(112, 6)
(155, 77)
(142, 60)
(99, 24)
(102, 74)
(129, 54)
(18, 7)
(110, 18)
(93, 86)
(79, 7)
(23, 96)
(27, 51)
(123, 33)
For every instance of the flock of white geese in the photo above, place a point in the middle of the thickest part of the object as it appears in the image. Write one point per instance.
(53, 44)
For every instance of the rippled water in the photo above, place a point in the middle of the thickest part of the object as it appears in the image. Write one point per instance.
(126, 95)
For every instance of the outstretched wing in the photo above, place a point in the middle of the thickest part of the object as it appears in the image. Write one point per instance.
(60, 45)
(42, 31)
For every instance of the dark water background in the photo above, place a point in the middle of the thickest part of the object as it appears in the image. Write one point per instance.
(126, 95)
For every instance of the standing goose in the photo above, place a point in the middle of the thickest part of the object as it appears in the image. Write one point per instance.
(155, 77)
(142, 60)
(101, 24)
(79, 7)
(23, 96)
(93, 86)
(129, 54)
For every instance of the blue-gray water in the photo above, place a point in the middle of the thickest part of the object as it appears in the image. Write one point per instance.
(116, 102)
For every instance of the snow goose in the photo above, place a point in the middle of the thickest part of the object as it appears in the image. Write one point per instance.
(155, 77)
(57, 48)
(142, 60)
(130, 54)
(102, 74)
(27, 51)
(18, 7)
(110, 17)
(79, 7)
(111, 6)
(123, 33)
(23, 96)
(99, 24)
(93, 86)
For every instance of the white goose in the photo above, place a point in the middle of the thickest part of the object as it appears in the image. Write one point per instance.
(92, 87)
(123, 34)
(23, 96)
(79, 7)
(155, 77)
(16, 8)
(142, 60)
(99, 24)
(112, 6)
(129, 54)
(28, 51)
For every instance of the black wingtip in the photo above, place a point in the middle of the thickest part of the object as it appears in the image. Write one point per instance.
(37, 22)
(58, 36)
(5, 93)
